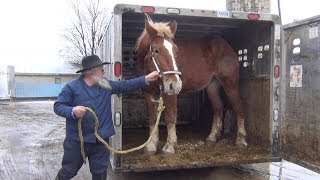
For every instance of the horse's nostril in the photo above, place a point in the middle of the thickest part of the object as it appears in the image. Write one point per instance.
(171, 86)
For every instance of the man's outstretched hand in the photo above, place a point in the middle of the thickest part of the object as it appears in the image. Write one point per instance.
(153, 76)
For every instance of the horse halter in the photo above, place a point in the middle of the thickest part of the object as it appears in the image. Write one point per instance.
(158, 69)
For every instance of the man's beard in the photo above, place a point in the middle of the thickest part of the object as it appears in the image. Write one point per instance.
(102, 82)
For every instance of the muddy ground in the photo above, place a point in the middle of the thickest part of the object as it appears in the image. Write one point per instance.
(31, 148)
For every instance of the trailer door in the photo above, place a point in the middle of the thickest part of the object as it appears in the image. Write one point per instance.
(300, 89)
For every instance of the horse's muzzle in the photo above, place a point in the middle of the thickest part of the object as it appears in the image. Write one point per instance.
(172, 85)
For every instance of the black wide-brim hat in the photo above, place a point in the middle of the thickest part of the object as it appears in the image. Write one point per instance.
(89, 62)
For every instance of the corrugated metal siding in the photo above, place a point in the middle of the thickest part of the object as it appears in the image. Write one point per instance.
(39, 85)
(36, 89)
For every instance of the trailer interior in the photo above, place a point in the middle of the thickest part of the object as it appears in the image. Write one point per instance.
(252, 41)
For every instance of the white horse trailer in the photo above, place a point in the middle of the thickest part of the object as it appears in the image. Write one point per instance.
(264, 88)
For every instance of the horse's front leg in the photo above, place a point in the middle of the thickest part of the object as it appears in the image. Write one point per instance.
(151, 147)
(170, 115)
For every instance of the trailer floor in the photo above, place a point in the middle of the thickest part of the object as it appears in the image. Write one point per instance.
(191, 151)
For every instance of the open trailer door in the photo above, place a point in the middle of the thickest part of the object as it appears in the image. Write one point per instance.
(300, 103)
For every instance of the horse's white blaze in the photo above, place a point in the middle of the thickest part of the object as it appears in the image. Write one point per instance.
(168, 46)
(178, 83)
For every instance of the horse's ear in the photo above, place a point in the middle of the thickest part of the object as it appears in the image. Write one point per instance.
(173, 27)
(150, 30)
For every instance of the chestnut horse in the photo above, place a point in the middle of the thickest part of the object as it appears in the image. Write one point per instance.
(188, 65)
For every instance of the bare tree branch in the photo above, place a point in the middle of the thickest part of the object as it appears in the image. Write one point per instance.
(85, 32)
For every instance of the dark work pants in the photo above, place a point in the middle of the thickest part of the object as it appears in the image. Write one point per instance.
(72, 161)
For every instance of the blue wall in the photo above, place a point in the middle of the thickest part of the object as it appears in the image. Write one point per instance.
(38, 89)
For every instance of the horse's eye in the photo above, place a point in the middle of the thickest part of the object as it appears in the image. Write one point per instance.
(155, 50)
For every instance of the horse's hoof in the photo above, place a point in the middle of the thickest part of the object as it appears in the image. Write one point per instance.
(151, 148)
(149, 153)
(168, 149)
(241, 142)
(167, 153)
(210, 142)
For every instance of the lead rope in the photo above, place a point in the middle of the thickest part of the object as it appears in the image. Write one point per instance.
(160, 108)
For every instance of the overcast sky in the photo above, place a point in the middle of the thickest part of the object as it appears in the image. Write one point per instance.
(30, 29)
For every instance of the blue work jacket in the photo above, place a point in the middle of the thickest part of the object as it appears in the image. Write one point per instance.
(78, 93)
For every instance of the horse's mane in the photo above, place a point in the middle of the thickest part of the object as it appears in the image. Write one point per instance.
(162, 29)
